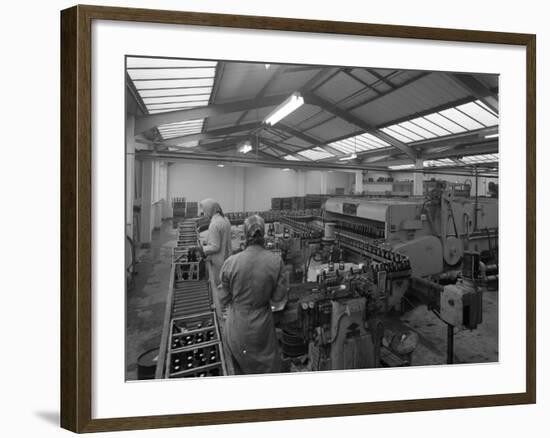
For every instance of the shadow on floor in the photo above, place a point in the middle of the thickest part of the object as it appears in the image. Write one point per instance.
(51, 417)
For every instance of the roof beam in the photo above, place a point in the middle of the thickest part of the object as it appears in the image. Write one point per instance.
(487, 147)
(350, 118)
(215, 133)
(277, 146)
(272, 162)
(276, 71)
(146, 122)
(478, 89)
(308, 139)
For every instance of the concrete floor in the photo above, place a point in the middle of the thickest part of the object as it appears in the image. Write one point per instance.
(147, 297)
(145, 301)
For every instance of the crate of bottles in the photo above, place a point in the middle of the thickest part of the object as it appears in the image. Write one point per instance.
(195, 347)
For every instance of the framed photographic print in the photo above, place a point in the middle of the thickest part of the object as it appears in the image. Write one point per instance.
(342, 214)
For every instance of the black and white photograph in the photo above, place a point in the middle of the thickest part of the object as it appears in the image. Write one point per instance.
(287, 218)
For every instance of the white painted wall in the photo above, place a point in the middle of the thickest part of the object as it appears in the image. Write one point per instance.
(262, 184)
(248, 188)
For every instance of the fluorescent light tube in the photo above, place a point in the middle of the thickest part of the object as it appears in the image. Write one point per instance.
(491, 135)
(351, 157)
(245, 148)
(294, 101)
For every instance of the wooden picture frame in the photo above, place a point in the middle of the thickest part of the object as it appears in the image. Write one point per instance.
(76, 217)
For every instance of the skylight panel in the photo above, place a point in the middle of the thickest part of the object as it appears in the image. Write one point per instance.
(170, 99)
(342, 147)
(461, 119)
(177, 104)
(178, 92)
(476, 159)
(167, 83)
(430, 126)
(401, 167)
(478, 112)
(371, 139)
(439, 163)
(485, 107)
(417, 130)
(291, 158)
(445, 123)
(141, 62)
(181, 73)
(391, 132)
(358, 143)
(316, 154)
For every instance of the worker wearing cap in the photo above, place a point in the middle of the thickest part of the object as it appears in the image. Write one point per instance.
(253, 282)
(218, 242)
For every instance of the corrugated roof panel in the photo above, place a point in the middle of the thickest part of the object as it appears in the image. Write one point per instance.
(301, 115)
(365, 75)
(289, 82)
(334, 128)
(403, 76)
(318, 117)
(365, 95)
(297, 143)
(241, 81)
(223, 120)
(339, 87)
(429, 91)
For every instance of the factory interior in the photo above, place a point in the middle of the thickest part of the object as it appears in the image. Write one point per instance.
(379, 192)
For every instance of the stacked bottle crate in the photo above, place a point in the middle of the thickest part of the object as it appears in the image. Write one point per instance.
(195, 348)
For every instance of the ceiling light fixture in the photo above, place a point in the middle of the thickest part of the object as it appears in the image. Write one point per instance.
(294, 101)
(245, 148)
(221, 165)
(491, 135)
(350, 157)
(286, 169)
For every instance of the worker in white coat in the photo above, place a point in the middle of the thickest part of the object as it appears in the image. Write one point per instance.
(253, 284)
(218, 241)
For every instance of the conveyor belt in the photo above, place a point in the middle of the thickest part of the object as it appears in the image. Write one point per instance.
(191, 343)
(191, 297)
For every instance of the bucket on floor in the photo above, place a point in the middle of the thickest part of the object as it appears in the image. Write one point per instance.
(147, 364)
